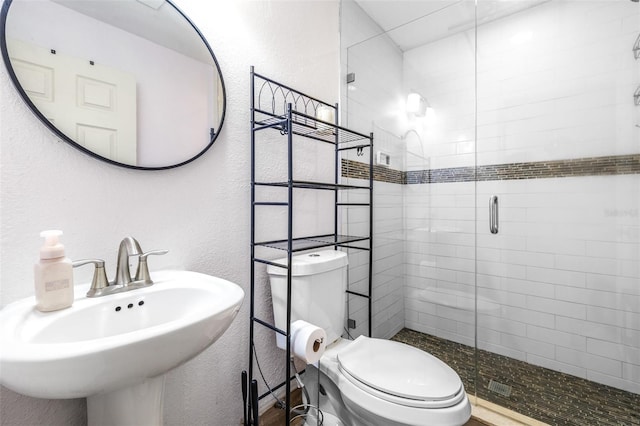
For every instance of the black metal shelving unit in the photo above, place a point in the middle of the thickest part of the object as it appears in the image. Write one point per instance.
(280, 108)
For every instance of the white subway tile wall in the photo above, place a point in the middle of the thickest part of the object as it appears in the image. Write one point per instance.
(388, 259)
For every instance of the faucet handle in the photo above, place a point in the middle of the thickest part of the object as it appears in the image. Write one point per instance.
(142, 274)
(99, 281)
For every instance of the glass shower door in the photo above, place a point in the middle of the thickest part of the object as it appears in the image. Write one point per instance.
(439, 190)
(414, 87)
(508, 215)
(558, 201)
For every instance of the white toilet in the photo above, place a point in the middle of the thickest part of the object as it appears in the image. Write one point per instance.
(380, 382)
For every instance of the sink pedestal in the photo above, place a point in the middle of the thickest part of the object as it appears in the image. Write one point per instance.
(136, 405)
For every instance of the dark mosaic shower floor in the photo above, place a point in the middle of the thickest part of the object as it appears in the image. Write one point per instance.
(537, 392)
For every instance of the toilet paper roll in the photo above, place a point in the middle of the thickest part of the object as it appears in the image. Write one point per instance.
(308, 341)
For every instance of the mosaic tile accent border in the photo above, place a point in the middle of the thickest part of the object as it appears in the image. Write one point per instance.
(542, 394)
(591, 166)
(359, 170)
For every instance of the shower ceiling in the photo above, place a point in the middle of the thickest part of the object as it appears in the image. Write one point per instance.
(413, 23)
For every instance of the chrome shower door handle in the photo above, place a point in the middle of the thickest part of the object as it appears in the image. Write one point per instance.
(493, 214)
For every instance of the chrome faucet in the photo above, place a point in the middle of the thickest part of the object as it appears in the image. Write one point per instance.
(101, 286)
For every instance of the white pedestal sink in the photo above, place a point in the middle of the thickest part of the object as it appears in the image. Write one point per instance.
(115, 349)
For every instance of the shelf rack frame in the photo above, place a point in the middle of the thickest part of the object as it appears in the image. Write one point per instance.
(276, 106)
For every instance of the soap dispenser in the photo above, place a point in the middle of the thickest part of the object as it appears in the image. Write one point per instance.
(53, 275)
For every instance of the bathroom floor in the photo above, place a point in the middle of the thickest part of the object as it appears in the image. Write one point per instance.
(275, 416)
(542, 394)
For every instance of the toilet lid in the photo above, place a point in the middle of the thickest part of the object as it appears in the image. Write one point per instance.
(398, 369)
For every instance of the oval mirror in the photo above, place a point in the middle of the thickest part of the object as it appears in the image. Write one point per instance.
(131, 82)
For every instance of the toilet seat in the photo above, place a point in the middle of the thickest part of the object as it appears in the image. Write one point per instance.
(370, 406)
(400, 374)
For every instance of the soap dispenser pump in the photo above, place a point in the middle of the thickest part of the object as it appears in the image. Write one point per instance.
(53, 275)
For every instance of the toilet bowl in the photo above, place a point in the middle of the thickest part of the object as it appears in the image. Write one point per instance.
(370, 382)
(382, 382)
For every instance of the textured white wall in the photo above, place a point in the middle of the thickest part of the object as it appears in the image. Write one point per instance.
(200, 212)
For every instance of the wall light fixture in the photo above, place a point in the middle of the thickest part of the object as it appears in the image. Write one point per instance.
(416, 105)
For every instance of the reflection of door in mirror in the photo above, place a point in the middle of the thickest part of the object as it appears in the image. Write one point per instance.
(93, 104)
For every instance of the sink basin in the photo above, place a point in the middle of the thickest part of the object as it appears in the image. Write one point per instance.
(108, 346)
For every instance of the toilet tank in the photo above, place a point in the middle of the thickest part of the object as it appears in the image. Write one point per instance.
(318, 285)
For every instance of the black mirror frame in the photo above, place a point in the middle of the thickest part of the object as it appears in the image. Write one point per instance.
(5, 56)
